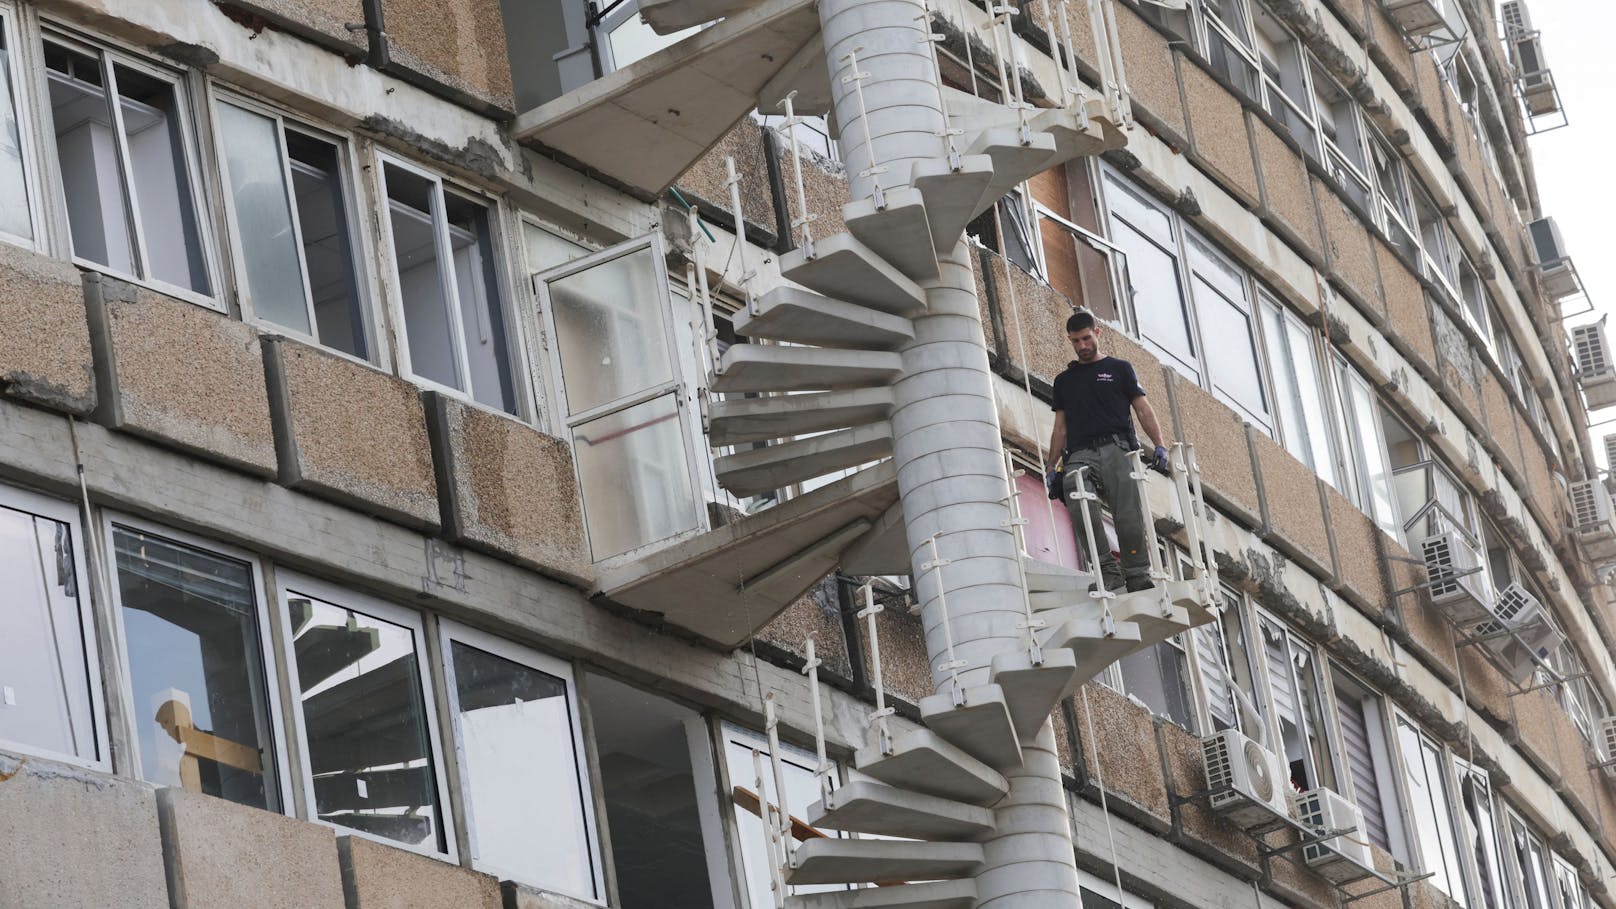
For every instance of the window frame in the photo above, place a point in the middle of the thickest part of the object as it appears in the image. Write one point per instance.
(28, 502)
(1496, 885)
(677, 384)
(25, 99)
(274, 708)
(1383, 755)
(110, 55)
(385, 611)
(1326, 776)
(450, 632)
(386, 247)
(1417, 847)
(348, 177)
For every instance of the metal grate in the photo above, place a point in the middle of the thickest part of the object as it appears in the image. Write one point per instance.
(1593, 356)
(1590, 504)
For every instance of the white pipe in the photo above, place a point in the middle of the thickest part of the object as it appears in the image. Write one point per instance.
(733, 181)
(770, 832)
(878, 719)
(805, 217)
(810, 668)
(771, 727)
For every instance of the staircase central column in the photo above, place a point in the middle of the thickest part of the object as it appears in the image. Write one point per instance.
(947, 444)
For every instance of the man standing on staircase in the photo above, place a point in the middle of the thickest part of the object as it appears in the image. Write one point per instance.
(1094, 430)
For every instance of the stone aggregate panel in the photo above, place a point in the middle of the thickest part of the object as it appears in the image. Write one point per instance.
(325, 21)
(1221, 447)
(1574, 758)
(508, 488)
(458, 43)
(1152, 374)
(1358, 553)
(1293, 881)
(1127, 764)
(1294, 513)
(1197, 828)
(1541, 492)
(905, 669)
(707, 179)
(1347, 248)
(1387, 43)
(519, 897)
(1433, 95)
(1151, 72)
(1533, 729)
(1472, 170)
(45, 355)
(1408, 313)
(1040, 337)
(1458, 367)
(824, 185)
(77, 838)
(1217, 126)
(1489, 692)
(375, 876)
(179, 373)
(1287, 193)
(352, 433)
(1430, 634)
(1500, 410)
(224, 854)
(816, 614)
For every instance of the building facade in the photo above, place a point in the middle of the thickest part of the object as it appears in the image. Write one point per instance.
(404, 506)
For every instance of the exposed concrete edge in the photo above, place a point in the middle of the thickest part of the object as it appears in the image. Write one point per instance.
(440, 436)
(280, 411)
(108, 406)
(169, 833)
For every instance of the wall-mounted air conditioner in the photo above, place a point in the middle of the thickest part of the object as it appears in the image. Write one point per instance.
(1517, 21)
(1417, 17)
(1554, 266)
(1531, 636)
(1591, 507)
(1595, 372)
(1457, 586)
(1607, 744)
(1340, 858)
(1249, 783)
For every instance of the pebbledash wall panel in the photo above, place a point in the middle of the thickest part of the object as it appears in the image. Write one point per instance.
(45, 353)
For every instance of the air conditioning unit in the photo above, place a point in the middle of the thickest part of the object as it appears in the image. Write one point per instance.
(1341, 858)
(1249, 783)
(1417, 17)
(1594, 369)
(1553, 263)
(1607, 744)
(1591, 505)
(1457, 587)
(1532, 636)
(1517, 21)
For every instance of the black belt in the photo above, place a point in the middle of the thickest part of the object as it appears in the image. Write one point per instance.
(1125, 439)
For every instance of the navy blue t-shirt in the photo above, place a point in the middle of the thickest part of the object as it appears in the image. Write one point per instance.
(1096, 398)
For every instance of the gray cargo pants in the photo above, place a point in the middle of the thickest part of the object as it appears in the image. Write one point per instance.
(1110, 464)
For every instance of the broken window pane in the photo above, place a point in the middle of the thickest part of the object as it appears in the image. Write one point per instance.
(653, 800)
(516, 735)
(14, 218)
(365, 722)
(196, 671)
(45, 684)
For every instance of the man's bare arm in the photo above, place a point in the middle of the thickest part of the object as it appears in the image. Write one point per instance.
(1057, 439)
(1147, 420)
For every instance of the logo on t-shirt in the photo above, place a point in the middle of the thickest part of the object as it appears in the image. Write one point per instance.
(1103, 377)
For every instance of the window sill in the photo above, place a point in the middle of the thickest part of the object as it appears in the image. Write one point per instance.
(167, 290)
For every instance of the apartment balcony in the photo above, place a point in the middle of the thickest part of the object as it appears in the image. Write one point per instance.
(646, 123)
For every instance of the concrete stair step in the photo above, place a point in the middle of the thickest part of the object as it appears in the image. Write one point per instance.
(759, 367)
(738, 421)
(922, 761)
(847, 861)
(930, 895)
(899, 233)
(1045, 600)
(668, 16)
(757, 470)
(1013, 160)
(1032, 691)
(981, 726)
(846, 269)
(1153, 625)
(952, 196)
(866, 807)
(1095, 644)
(1072, 138)
(804, 317)
(1047, 577)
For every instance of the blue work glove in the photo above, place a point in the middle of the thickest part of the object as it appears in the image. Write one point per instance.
(1053, 482)
(1158, 460)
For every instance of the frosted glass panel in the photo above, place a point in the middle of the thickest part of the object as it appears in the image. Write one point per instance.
(257, 176)
(635, 477)
(609, 330)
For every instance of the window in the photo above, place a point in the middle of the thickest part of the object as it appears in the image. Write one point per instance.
(1474, 298)
(1293, 683)
(1285, 89)
(1343, 134)
(289, 200)
(16, 201)
(621, 37)
(1299, 390)
(1481, 831)
(1572, 895)
(1435, 240)
(656, 775)
(621, 395)
(457, 326)
(1224, 663)
(520, 750)
(549, 49)
(1396, 208)
(802, 790)
(1229, 44)
(1431, 810)
(369, 732)
(1370, 470)
(1159, 675)
(1227, 322)
(1531, 864)
(1144, 231)
(123, 141)
(1366, 762)
(200, 700)
(50, 683)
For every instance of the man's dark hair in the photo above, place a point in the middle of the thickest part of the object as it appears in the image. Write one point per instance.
(1080, 320)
